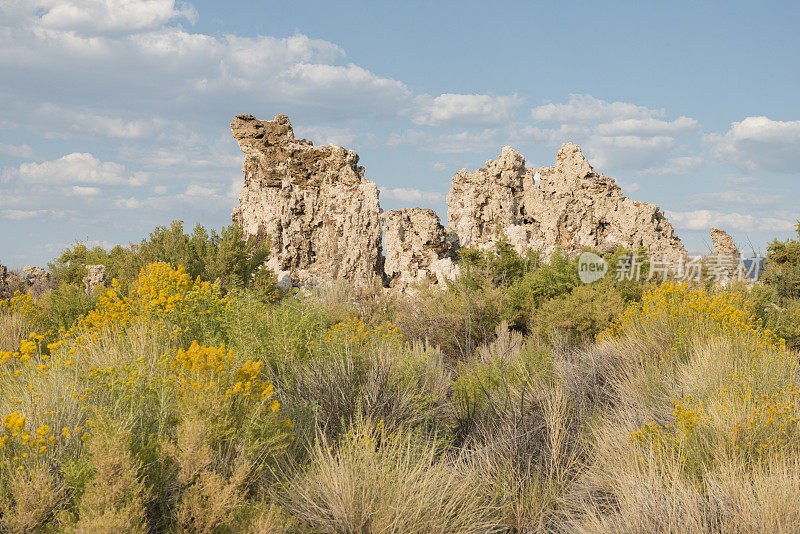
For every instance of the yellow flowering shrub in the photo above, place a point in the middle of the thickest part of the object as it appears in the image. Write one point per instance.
(738, 382)
(685, 314)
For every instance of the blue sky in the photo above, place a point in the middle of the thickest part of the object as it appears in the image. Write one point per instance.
(114, 114)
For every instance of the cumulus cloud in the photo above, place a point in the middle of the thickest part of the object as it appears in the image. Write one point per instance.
(627, 151)
(583, 109)
(75, 168)
(705, 219)
(749, 198)
(648, 127)
(85, 191)
(21, 215)
(16, 151)
(412, 195)
(618, 135)
(676, 166)
(326, 135)
(185, 67)
(759, 144)
(93, 17)
(464, 110)
(453, 143)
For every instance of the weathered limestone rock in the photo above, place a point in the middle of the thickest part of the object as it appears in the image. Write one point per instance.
(567, 205)
(723, 243)
(37, 279)
(726, 259)
(35, 274)
(313, 202)
(4, 289)
(95, 277)
(417, 250)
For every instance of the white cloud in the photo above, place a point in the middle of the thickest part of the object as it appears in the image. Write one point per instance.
(95, 122)
(326, 135)
(196, 190)
(83, 191)
(748, 198)
(675, 166)
(92, 17)
(455, 143)
(583, 109)
(705, 219)
(16, 151)
(631, 188)
(627, 151)
(20, 215)
(759, 144)
(180, 67)
(465, 110)
(75, 168)
(550, 136)
(412, 195)
(647, 127)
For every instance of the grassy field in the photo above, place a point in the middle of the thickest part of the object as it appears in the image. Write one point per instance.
(515, 400)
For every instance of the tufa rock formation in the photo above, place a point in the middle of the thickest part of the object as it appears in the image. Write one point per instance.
(95, 277)
(567, 205)
(321, 214)
(726, 256)
(417, 250)
(4, 289)
(37, 279)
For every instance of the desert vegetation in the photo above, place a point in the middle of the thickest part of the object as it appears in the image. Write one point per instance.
(191, 394)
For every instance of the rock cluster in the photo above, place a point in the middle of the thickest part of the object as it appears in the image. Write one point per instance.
(323, 218)
(319, 211)
(417, 250)
(568, 205)
(95, 277)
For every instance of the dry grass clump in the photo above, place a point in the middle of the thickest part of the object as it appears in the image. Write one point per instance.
(29, 498)
(114, 500)
(379, 481)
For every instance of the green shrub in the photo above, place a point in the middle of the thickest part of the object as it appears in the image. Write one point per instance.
(65, 304)
(227, 257)
(581, 314)
(782, 267)
(549, 280)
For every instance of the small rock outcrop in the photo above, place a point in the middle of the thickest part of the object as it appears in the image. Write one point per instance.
(4, 289)
(319, 211)
(37, 279)
(95, 277)
(417, 250)
(568, 205)
(727, 258)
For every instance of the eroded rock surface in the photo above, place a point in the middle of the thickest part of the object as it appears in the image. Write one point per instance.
(324, 220)
(417, 250)
(37, 279)
(95, 277)
(726, 257)
(723, 243)
(4, 289)
(568, 205)
(321, 213)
